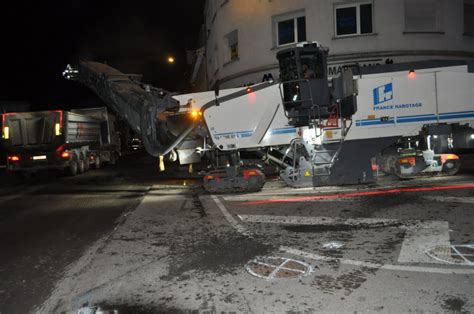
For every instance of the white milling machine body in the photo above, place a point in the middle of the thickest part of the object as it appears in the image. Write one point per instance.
(413, 116)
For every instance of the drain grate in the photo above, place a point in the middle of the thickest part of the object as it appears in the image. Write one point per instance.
(278, 268)
(453, 254)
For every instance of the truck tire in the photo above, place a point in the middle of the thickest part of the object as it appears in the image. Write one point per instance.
(80, 166)
(71, 170)
(87, 163)
(97, 162)
(113, 159)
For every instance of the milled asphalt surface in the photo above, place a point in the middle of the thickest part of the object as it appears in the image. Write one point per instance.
(177, 249)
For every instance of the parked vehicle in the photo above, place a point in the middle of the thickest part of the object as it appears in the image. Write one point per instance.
(71, 141)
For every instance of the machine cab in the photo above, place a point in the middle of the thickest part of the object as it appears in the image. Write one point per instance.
(304, 83)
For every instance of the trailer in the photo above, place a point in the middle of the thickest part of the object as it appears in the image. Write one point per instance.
(70, 141)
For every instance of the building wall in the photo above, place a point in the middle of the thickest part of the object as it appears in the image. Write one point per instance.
(254, 21)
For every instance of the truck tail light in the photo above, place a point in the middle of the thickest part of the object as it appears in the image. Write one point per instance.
(57, 129)
(13, 158)
(6, 133)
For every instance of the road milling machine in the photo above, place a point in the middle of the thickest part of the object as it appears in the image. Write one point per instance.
(405, 119)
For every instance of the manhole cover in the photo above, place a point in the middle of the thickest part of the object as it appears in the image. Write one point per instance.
(278, 268)
(453, 254)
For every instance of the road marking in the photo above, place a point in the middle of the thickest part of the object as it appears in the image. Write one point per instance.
(363, 193)
(419, 269)
(234, 223)
(285, 190)
(317, 257)
(453, 199)
(421, 236)
(276, 197)
(327, 221)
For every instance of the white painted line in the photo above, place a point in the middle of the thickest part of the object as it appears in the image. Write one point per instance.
(418, 237)
(285, 192)
(309, 220)
(450, 199)
(419, 269)
(421, 236)
(231, 219)
(283, 195)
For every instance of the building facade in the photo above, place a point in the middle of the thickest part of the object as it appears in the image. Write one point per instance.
(243, 36)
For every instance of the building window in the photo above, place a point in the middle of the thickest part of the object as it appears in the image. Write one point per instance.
(290, 28)
(422, 16)
(232, 46)
(353, 19)
(469, 18)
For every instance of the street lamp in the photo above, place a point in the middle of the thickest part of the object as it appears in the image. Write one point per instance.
(170, 59)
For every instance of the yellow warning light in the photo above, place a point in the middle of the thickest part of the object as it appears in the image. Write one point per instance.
(57, 129)
(6, 133)
(195, 114)
(161, 163)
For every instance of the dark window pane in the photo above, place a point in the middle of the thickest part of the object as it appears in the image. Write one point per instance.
(311, 65)
(366, 18)
(286, 32)
(346, 21)
(234, 52)
(301, 23)
(420, 15)
(468, 19)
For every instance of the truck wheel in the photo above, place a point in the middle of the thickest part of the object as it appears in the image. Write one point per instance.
(71, 170)
(80, 166)
(87, 163)
(97, 162)
(113, 159)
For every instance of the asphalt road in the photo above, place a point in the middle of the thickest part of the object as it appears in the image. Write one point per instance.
(48, 221)
(129, 239)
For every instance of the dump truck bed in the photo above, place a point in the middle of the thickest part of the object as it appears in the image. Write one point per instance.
(47, 130)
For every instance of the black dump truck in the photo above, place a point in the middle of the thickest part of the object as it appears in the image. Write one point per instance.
(70, 141)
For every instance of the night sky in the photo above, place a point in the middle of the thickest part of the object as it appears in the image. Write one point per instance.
(39, 38)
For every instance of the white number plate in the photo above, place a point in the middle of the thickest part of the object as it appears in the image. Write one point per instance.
(42, 157)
